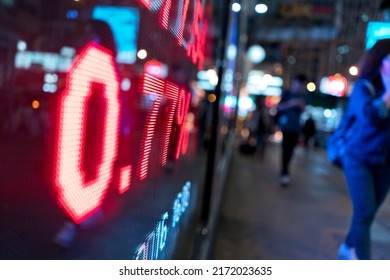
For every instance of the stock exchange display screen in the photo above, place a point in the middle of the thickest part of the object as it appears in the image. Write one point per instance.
(100, 147)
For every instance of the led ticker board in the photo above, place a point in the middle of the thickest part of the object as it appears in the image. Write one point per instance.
(80, 199)
(114, 172)
(174, 18)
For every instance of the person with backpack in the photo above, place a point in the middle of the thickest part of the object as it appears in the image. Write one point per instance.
(366, 163)
(289, 111)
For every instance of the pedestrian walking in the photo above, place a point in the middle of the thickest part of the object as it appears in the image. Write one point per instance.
(367, 160)
(260, 126)
(289, 111)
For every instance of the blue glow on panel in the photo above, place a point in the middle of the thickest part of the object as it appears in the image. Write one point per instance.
(8, 3)
(153, 246)
(72, 14)
(377, 30)
(124, 24)
(155, 242)
(180, 204)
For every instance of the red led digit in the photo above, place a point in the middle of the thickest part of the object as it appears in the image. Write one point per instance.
(171, 92)
(124, 183)
(202, 44)
(153, 89)
(195, 31)
(164, 16)
(186, 138)
(146, 3)
(196, 46)
(81, 198)
(182, 137)
(182, 21)
(180, 110)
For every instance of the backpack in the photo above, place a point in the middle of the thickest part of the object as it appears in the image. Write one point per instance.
(336, 142)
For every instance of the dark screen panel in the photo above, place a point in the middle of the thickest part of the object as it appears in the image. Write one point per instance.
(100, 149)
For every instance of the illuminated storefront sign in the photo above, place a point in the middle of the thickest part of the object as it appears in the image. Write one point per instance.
(377, 30)
(60, 62)
(124, 24)
(310, 10)
(259, 83)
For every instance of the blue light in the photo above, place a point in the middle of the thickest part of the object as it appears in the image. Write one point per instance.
(377, 31)
(162, 232)
(230, 101)
(72, 14)
(155, 241)
(181, 203)
(8, 3)
(124, 24)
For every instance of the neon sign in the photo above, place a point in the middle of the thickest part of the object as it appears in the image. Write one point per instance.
(60, 62)
(79, 196)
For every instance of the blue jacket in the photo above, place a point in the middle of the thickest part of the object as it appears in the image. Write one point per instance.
(289, 118)
(370, 141)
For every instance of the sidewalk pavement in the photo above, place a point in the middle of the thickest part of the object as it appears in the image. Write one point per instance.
(305, 221)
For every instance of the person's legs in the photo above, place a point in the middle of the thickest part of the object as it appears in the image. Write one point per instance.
(306, 140)
(288, 144)
(260, 137)
(360, 181)
(382, 184)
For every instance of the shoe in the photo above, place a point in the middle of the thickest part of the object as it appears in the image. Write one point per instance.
(346, 253)
(284, 180)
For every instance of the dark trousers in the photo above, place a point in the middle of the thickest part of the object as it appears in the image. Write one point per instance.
(368, 187)
(260, 143)
(289, 142)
